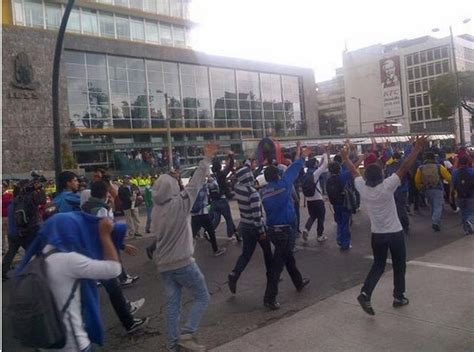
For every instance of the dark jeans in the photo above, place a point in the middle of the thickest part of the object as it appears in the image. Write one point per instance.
(283, 256)
(413, 194)
(119, 302)
(401, 203)
(251, 237)
(316, 210)
(204, 221)
(342, 218)
(297, 212)
(381, 244)
(220, 208)
(14, 244)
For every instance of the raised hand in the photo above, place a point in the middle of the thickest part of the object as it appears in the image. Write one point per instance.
(210, 149)
(345, 152)
(420, 142)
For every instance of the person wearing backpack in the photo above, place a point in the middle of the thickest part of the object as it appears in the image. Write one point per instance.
(56, 303)
(336, 187)
(429, 177)
(463, 186)
(314, 198)
(67, 199)
(251, 227)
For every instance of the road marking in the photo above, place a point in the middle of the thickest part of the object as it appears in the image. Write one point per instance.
(462, 269)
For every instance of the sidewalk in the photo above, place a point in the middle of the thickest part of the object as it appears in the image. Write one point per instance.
(440, 316)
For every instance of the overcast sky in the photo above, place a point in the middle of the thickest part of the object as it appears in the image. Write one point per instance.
(313, 33)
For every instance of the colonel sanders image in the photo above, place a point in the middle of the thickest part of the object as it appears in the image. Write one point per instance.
(389, 74)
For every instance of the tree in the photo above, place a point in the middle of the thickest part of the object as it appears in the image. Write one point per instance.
(443, 93)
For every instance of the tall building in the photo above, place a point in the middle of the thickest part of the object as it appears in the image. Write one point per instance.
(120, 59)
(388, 84)
(332, 106)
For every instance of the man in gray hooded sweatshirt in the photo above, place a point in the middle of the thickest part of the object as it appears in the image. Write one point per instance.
(171, 223)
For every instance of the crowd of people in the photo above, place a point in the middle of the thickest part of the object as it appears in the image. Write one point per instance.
(79, 239)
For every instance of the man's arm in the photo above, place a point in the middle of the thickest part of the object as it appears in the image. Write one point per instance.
(347, 161)
(410, 160)
(291, 174)
(445, 173)
(322, 168)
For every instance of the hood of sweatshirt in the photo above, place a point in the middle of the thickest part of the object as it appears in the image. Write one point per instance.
(245, 177)
(165, 189)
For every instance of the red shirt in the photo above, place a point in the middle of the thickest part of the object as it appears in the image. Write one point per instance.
(6, 199)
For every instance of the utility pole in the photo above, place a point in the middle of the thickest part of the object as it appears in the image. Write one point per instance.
(458, 93)
(168, 133)
(55, 92)
(360, 116)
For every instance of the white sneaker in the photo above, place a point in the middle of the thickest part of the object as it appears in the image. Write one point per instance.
(219, 252)
(322, 238)
(189, 343)
(456, 210)
(305, 235)
(136, 305)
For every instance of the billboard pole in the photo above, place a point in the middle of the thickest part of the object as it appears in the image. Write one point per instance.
(55, 91)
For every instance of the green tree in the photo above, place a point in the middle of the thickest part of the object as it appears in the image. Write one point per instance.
(443, 93)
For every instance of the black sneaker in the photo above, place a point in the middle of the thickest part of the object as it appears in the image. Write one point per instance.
(149, 252)
(137, 324)
(400, 302)
(364, 302)
(272, 305)
(305, 282)
(436, 227)
(238, 236)
(232, 283)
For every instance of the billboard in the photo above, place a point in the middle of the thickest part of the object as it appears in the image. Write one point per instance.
(391, 86)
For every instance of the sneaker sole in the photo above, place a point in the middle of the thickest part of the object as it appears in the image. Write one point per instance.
(132, 330)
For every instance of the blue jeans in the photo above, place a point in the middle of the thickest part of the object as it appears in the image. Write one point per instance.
(342, 217)
(466, 205)
(435, 200)
(221, 207)
(148, 219)
(191, 278)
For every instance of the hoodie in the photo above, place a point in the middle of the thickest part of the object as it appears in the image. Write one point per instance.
(171, 218)
(248, 198)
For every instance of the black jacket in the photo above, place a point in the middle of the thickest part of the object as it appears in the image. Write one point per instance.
(125, 196)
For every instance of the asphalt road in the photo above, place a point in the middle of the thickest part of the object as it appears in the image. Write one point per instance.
(228, 317)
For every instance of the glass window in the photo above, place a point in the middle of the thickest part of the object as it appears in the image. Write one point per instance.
(151, 31)
(444, 52)
(136, 4)
(424, 71)
(178, 36)
(412, 101)
(34, 13)
(186, 9)
(419, 113)
(165, 34)
(123, 3)
(438, 68)
(409, 60)
(137, 29)
(411, 88)
(419, 100)
(176, 8)
(410, 73)
(416, 59)
(431, 71)
(425, 85)
(89, 22)
(445, 66)
(413, 115)
(427, 114)
(150, 6)
(164, 7)
(423, 56)
(53, 16)
(417, 72)
(426, 99)
(123, 27)
(107, 26)
(418, 86)
(429, 55)
(437, 53)
(18, 11)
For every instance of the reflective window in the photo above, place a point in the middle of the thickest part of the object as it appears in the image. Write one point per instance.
(178, 36)
(137, 30)
(74, 22)
(136, 4)
(107, 27)
(164, 7)
(18, 12)
(89, 22)
(34, 13)
(53, 16)
(151, 32)
(123, 27)
(196, 100)
(165, 34)
(123, 3)
(176, 8)
(186, 10)
(151, 6)
(224, 97)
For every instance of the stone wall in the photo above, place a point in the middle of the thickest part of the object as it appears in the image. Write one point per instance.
(27, 126)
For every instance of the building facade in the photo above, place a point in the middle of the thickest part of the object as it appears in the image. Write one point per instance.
(332, 106)
(389, 84)
(121, 59)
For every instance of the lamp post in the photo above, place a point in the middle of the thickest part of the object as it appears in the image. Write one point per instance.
(168, 129)
(360, 113)
(458, 92)
(55, 91)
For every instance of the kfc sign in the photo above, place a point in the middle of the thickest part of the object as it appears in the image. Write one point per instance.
(391, 87)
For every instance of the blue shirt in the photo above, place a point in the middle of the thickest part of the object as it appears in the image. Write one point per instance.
(455, 175)
(277, 197)
(67, 201)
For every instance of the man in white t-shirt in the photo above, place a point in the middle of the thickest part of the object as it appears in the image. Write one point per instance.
(377, 195)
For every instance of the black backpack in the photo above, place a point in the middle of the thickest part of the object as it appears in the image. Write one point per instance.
(335, 190)
(309, 186)
(35, 320)
(23, 213)
(464, 183)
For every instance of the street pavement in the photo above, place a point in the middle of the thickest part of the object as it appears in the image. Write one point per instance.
(317, 318)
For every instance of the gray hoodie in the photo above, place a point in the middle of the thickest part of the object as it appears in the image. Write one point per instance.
(171, 218)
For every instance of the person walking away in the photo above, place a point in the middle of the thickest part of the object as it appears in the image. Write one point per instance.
(219, 200)
(200, 218)
(67, 199)
(124, 309)
(314, 197)
(14, 240)
(79, 249)
(429, 177)
(462, 185)
(251, 227)
(148, 203)
(336, 186)
(377, 196)
(280, 215)
(175, 250)
(7, 197)
(128, 194)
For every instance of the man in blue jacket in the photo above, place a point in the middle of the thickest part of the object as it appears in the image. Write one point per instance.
(281, 220)
(67, 199)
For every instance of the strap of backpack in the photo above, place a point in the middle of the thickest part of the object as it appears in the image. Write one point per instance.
(71, 297)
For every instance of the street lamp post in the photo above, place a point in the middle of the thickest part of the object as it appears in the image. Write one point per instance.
(360, 113)
(168, 133)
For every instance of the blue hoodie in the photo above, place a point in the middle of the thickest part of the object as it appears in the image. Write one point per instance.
(277, 197)
(67, 201)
